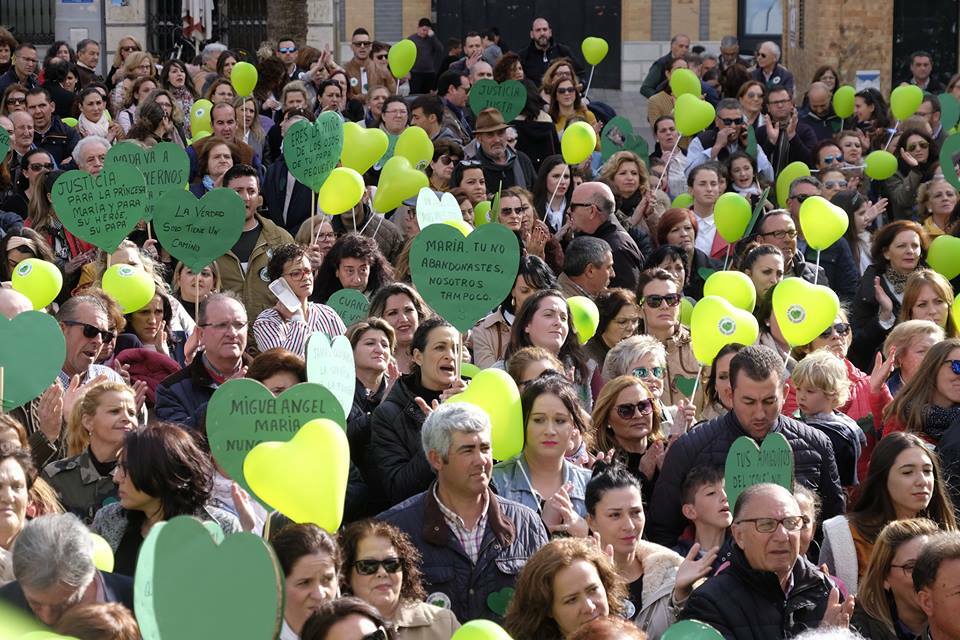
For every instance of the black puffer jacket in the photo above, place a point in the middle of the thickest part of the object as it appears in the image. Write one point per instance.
(745, 604)
(814, 466)
(395, 449)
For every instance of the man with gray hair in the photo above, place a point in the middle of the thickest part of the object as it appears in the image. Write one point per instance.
(208, 69)
(53, 565)
(769, 71)
(592, 214)
(587, 267)
(473, 542)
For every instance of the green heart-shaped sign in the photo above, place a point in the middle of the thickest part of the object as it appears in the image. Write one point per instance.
(351, 305)
(949, 155)
(312, 150)
(101, 210)
(4, 143)
(165, 167)
(433, 210)
(685, 385)
(943, 256)
(197, 232)
(507, 97)
(747, 465)
(331, 365)
(949, 111)
(498, 601)
(618, 135)
(716, 323)
(463, 278)
(191, 588)
(243, 413)
(32, 350)
(803, 310)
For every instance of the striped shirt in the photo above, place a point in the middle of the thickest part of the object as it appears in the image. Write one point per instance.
(470, 539)
(270, 331)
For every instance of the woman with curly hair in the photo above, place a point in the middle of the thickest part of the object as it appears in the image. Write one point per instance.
(354, 262)
(381, 566)
(508, 67)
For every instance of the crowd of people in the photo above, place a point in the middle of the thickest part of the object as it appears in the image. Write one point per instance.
(613, 520)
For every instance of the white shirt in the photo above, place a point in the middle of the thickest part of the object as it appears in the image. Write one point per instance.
(706, 232)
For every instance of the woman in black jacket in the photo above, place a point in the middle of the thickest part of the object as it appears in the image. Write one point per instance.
(373, 341)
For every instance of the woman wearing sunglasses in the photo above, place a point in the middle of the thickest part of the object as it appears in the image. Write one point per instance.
(917, 159)
(566, 102)
(929, 404)
(381, 566)
(905, 481)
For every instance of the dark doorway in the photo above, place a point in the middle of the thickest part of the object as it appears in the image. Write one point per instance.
(925, 25)
(571, 23)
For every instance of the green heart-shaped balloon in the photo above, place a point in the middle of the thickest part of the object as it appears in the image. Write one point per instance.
(312, 150)
(189, 587)
(480, 629)
(415, 145)
(585, 317)
(433, 210)
(243, 413)
(682, 201)
(949, 155)
(494, 391)
(716, 323)
(101, 210)
(735, 287)
(732, 215)
(684, 81)
(881, 165)
(786, 177)
(747, 465)
(905, 100)
(618, 135)
(351, 305)
(362, 147)
(463, 278)
(594, 49)
(692, 114)
(943, 256)
(330, 364)
(401, 57)
(481, 213)
(197, 232)
(507, 97)
(398, 181)
(843, 101)
(165, 167)
(32, 350)
(803, 310)
(304, 478)
(822, 222)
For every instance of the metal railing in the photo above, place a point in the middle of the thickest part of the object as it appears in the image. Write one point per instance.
(30, 20)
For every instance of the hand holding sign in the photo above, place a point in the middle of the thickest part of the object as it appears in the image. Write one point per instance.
(32, 350)
(312, 150)
(747, 465)
(101, 210)
(330, 364)
(165, 167)
(197, 232)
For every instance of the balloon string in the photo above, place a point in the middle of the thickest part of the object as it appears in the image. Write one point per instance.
(149, 232)
(666, 168)
(243, 110)
(589, 81)
(196, 296)
(554, 194)
(726, 260)
(1, 390)
(816, 271)
(108, 261)
(696, 383)
(892, 133)
(313, 214)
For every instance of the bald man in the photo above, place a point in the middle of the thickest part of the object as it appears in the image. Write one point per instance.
(591, 209)
(818, 112)
(13, 303)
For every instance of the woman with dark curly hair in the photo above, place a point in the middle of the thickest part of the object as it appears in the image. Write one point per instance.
(354, 262)
(381, 566)
(508, 67)
(162, 473)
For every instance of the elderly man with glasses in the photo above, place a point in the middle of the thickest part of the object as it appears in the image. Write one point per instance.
(769, 71)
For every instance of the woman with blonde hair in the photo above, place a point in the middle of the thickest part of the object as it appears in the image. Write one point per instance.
(886, 601)
(929, 403)
(138, 64)
(248, 123)
(564, 585)
(928, 296)
(907, 343)
(636, 204)
(936, 202)
(127, 45)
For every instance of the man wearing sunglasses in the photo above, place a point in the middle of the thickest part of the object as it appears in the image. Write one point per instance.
(454, 89)
(778, 228)
(727, 136)
(757, 383)
(473, 542)
(766, 560)
(769, 71)
(591, 208)
(287, 51)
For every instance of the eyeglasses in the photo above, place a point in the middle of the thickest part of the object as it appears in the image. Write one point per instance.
(832, 159)
(380, 56)
(129, 48)
(841, 328)
(761, 54)
(466, 164)
(907, 567)
(574, 205)
(780, 234)
(90, 331)
(13, 100)
(298, 274)
(922, 144)
(507, 211)
(654, 302)
(370, 566)
(649, 372)
(801, 197)
(769, 525)
(835, 184)
(447, 160)
(379, 634)
(731, 121)
(287, 49)
(627, 411)
(777, 103)
(954, 366)
(753, 94)
(40, 166)
(236, 325)
(565, 90)
(396, 112)
(362, 43)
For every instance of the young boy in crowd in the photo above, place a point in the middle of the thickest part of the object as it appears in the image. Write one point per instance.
(704, 504)
(822, 385)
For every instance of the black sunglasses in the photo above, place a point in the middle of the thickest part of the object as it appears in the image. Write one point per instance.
(627, 411)
(370, 567)
(90, 331)
(654, 302)
(731, 121)
(842, 329)
(801, 197)
(379, 634)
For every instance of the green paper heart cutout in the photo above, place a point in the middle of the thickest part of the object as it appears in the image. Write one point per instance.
(32, 350)
(165, 167)
(190, 588)
(463, 278)
(943, 256)
(243, 413)
(949, 111)
(330, 364)
(705, 272)
(4, 143)
(197, 232)
(685, 385)
(949, 156)
(691, 630)
(747, 465)
(101, 210)
(507, 97)
(312, 150)
(434, 210)
(498, 601)
(618, 135)
(351, 305)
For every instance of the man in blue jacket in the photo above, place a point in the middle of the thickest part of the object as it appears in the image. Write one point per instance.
(473, 542)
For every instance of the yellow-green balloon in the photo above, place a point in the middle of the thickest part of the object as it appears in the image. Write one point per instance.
(481, 630)
(683, 200)
(38, 280)
(200, 116)
(790, 173)
(132, 288)
(362, 147)
(341, 191)
(244, 78)
(881, 165)
(481, 213)
(686, 311)
(415, 145)
(905, 100)
(803, 310)
(716, 323)
(578, 142)
(843, 101)
(683, 81)
(70, 122)
(460, 225)
(494, 391)
(692, 114)
(401, 58)
(102, 554)
(821, 222)
(735, 287)
(943, 256)
(585, 317)
(398, 181)
(732, 214)
(594, 50)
